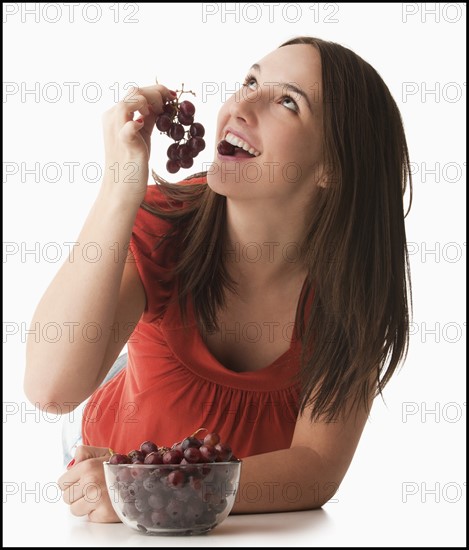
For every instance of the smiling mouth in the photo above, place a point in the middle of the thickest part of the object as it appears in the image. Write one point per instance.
(233, 146)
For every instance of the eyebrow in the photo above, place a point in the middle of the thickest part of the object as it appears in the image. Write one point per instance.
(290, 87)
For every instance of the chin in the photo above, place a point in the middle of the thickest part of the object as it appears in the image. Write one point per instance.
(233, 178)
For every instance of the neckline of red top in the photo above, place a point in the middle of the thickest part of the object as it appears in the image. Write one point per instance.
(190, 349)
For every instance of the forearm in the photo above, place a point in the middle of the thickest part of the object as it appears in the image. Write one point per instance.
(283, 481)
(83, 294)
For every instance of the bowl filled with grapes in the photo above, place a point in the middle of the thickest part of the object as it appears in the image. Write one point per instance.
(186, 489)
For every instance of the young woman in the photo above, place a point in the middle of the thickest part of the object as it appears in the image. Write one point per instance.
(269, 296)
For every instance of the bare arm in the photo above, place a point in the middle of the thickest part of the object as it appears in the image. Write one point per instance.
(306, 475)
(91, 300)
(83, 300)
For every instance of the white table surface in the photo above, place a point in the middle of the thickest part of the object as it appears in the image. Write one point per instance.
(345, 524)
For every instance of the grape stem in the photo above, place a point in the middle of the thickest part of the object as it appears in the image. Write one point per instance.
(199, 430)
(182, 91)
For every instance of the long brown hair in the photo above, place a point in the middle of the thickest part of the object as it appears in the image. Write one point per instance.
(355, 246)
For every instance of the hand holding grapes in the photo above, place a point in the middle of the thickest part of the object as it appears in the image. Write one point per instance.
(84, 486)
(127, 141)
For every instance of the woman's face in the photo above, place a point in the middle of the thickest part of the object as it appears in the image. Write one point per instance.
(278, 112)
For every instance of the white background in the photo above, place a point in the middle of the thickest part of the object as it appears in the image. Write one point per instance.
(406, 485)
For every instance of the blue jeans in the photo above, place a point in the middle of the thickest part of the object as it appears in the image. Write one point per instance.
(71, 427)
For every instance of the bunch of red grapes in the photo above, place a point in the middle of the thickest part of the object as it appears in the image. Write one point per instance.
(188, 142)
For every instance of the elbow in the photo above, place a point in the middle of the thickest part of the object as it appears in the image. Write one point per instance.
(323, 493)
(47, 399)
(326, 492)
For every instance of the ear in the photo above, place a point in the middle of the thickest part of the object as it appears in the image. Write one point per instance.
(323, 182)
(325, 175)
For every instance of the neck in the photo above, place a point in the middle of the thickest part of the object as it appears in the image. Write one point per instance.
(263, 242)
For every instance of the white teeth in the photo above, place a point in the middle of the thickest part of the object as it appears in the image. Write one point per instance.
(234, 140)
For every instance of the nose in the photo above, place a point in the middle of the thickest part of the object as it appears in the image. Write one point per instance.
(243, 105)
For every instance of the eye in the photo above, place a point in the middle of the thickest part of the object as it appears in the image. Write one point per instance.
(290, 101)
(249, 81)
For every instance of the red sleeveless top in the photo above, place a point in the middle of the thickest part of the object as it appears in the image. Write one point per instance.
(172, 384)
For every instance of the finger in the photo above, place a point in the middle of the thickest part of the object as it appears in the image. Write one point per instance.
(104, 514)
(84, 452)
(157, 95)
(127, 108)
(91, 486)
(98, 510)
(73, 492)
(85, 468)
(130, 131)
(82, 507)
(68, 478)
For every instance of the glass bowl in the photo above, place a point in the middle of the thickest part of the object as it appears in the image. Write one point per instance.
(173, 499)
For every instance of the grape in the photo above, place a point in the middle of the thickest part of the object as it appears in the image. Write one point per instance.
(148, 447)
(194, 509)
(192, 455)
(186, 163)
(212, 439)
(137, 473)
(172, 166)
(193, 148)
(225, 148)
(163, 123)
(173, 456)
(160, 518)
(173, 151)
(175, 478)
(136, 457)
(184, 119)
(208, 453)
(177, 446)
(158, 500)
(150, 484)
(119, 459)
(184, 152)
(187, 108)
(135, 490)
(153, 458)
(191, 442)
(170, 109)
(200, 143)
(197, 130)
(141, 503)
(224, 452)
(176, 131)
